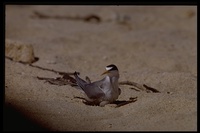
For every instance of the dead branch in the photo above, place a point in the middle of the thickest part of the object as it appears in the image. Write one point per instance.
(68, 80)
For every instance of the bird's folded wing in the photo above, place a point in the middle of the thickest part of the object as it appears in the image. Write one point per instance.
(92, 90)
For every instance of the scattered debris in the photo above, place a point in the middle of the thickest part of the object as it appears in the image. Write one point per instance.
(101, 16)
(151, 89)
(122, 103)
(117, 102)
(139, 86)
(66, 79)
(87, 18)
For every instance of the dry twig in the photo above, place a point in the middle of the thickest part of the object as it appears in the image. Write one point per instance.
(151, 89)
(139, 86)
(88, 18)
(122, 103)
(68, 80)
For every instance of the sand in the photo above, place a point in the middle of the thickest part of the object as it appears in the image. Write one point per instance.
(152, 45)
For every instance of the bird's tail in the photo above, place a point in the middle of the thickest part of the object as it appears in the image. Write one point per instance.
(81, 83)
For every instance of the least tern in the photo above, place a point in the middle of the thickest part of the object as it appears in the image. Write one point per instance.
(104, 91)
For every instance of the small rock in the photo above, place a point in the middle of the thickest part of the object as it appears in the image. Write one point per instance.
(20, 52)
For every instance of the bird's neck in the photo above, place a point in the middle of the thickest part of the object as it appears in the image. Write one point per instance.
(114, 79)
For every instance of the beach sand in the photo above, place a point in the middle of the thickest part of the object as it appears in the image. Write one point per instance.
(152, 45)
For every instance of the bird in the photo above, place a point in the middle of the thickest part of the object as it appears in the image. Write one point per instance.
(104, 91)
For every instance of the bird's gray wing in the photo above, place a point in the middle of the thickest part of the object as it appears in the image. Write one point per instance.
(92, 90)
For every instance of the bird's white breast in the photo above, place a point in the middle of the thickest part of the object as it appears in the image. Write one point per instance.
(110, 88)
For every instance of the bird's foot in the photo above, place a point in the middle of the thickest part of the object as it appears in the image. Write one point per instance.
(103, 103)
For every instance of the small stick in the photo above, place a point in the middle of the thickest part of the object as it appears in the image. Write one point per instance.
(135, 89)
(139, 86)
(151, 89)
(122, 103)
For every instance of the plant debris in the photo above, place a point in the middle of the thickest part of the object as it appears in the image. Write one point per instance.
(122, 103)
(139, 86)
(66, 79)
(118, 103)
(87, 18)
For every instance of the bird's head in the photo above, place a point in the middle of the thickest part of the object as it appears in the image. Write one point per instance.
(111, 70)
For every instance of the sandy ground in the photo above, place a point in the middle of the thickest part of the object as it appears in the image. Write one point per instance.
(152, 45)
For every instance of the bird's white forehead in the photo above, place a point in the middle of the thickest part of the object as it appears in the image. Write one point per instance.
(108, 68)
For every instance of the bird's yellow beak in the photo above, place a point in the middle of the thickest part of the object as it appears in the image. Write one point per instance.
(105, 72)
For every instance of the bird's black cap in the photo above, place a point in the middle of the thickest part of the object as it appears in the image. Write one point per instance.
(111, 67)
